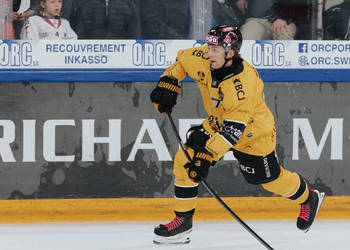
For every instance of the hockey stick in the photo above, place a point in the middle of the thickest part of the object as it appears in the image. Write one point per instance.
(211, 191)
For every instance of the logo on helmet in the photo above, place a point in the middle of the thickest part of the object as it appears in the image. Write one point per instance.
(227, 29)
(228, 39)
(210, 39)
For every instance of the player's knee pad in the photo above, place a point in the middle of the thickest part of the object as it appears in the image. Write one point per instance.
(258, 169)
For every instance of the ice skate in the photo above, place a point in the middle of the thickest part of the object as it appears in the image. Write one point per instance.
(175, 232)
(309, 210)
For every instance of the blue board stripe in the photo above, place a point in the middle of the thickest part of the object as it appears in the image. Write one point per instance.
(152, 75)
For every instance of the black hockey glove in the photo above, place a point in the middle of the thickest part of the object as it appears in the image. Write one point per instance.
(164, 96)
(196, 137)
(198, 168)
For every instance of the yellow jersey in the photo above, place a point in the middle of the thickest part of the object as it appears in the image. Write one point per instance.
(233, 97)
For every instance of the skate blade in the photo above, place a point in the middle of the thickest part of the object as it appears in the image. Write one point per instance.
(172, 243)
(321, 197)
(183, 238)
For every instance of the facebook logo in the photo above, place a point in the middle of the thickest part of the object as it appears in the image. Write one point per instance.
(303, 48)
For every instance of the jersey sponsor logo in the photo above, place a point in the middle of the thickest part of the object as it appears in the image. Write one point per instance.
(247, 169)
(239, 89)
(232, 131)
(267, 167)
(201, 75)
(200, 53)
(201, 78)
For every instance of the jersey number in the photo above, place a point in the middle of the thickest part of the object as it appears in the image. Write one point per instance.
(218, 101)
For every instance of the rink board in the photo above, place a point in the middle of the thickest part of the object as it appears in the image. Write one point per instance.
(97, 150)
(145, 60)
(160, 209)
(105, 140)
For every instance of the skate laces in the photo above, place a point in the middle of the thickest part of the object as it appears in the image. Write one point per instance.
(305, 212)
(174, 223)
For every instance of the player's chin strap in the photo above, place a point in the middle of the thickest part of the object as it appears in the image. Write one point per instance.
(227, 60)
(211, 191)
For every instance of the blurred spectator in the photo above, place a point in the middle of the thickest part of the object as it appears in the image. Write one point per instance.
(336, 22)
(6, 28)
(152, 14)
(48, 24)
(227, 11)
(164, 19)
(67, 9)
(255, 8)
(330, 3)
(282, 20)
(106, 19)
(22, 10)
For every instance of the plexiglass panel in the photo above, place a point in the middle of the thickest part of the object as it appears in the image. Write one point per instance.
(169, 19)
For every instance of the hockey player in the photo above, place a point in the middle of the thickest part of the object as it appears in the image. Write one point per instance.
(238, 120)
(48, 24)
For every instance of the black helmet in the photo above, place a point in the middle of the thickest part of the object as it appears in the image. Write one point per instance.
(226, 36)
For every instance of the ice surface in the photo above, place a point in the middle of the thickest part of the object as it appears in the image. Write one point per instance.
(213, 235)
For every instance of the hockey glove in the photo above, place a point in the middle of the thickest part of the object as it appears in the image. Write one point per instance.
(164, 96)
(198, 168)
(196, 138)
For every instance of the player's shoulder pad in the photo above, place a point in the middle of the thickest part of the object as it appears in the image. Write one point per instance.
(199, 52)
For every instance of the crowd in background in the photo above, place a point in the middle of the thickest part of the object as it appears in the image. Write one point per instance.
(169, 19)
